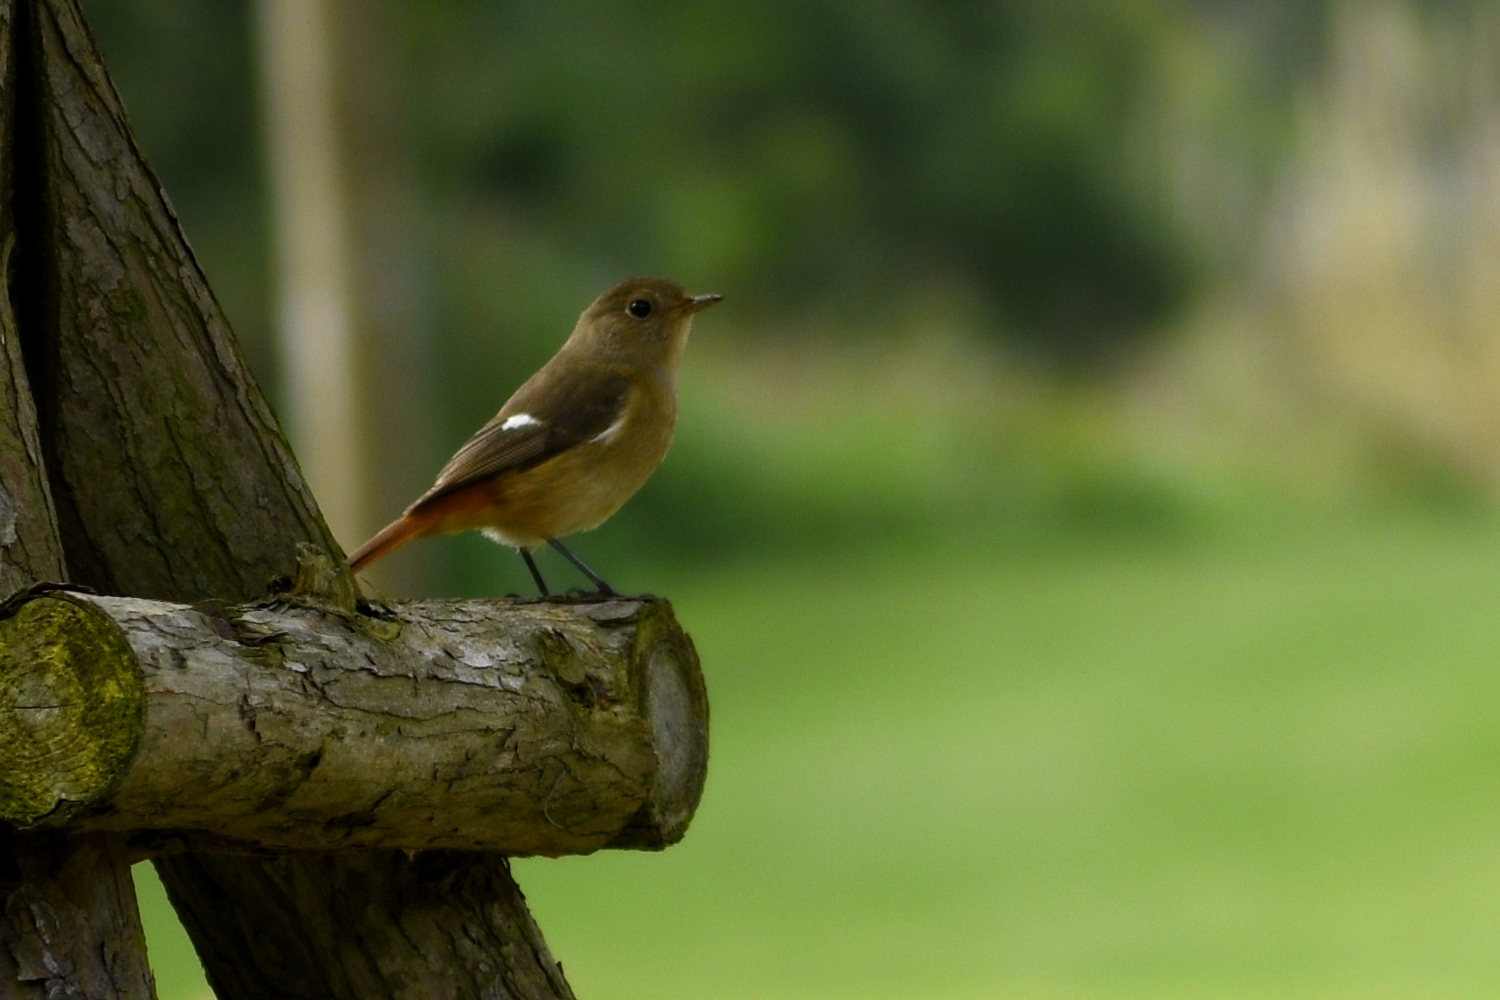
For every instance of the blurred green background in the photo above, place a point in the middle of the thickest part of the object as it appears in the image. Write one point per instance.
(1083, 501)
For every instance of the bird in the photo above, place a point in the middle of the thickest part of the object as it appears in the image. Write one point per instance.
(574, 442)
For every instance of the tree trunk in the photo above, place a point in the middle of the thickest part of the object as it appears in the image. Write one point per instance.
(463, 929)
(523, 727)
(69, 926)
(384, 230)
(173, 482)
(30, 549)
(171, 478)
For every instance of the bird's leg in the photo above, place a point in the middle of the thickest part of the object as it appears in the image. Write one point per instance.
(604, 588)
(536, 574)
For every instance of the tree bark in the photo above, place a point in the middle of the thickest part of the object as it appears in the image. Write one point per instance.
(30, 549)
(69, 926)
(463, 930)
(523, 727)
(173, 482)
(170, 475)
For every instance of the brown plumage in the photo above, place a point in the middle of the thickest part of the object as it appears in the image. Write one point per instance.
(572, 444)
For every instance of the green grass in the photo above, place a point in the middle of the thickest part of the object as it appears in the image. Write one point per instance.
(178, 974)
(1233, 767)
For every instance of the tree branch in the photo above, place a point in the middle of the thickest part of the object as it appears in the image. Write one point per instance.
(463, 932)
(522, 727)
(136, 374)
(30, 548)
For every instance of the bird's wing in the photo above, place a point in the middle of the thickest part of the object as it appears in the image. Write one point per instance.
(543, 419)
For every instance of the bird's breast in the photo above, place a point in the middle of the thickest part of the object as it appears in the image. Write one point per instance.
(581, 487)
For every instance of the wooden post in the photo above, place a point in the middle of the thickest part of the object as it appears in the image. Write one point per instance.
(171, 482)
(69, 925)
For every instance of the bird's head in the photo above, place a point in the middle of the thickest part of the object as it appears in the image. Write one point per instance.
(642, 321)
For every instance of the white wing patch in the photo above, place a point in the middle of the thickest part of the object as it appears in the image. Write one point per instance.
(518, 420)
(608, 434)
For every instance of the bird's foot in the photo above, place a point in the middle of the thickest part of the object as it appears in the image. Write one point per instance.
(602, 594)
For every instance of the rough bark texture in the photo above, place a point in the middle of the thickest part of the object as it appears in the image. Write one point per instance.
(170, 475)
(523, 727)
(463, 931)
(69, 926)
(30, 548)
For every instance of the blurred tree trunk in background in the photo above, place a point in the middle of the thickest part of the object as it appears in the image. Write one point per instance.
(1361, 347)
(313, 286)
(383, 231)
(346, 271)
(1384, 248)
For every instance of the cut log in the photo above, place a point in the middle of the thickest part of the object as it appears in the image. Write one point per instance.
(527, 727)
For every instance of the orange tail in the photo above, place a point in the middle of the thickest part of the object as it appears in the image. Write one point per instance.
(390, 538)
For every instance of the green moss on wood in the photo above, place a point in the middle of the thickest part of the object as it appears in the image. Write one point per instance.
(72, 707)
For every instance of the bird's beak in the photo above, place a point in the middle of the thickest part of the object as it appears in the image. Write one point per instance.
(698, 302)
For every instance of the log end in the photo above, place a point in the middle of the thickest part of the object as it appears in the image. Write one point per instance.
(72, 707)
(674, 701)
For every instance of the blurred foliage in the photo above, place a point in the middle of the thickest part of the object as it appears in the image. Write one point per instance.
(1052, 177)
(834, 155)
(836, 163)
(839, 163)
(1055, 181)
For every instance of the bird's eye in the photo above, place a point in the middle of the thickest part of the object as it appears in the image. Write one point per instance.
(639, 308)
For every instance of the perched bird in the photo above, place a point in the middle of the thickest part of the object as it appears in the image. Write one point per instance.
(575, 442)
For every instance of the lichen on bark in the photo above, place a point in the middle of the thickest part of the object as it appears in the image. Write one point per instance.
(72, 707)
